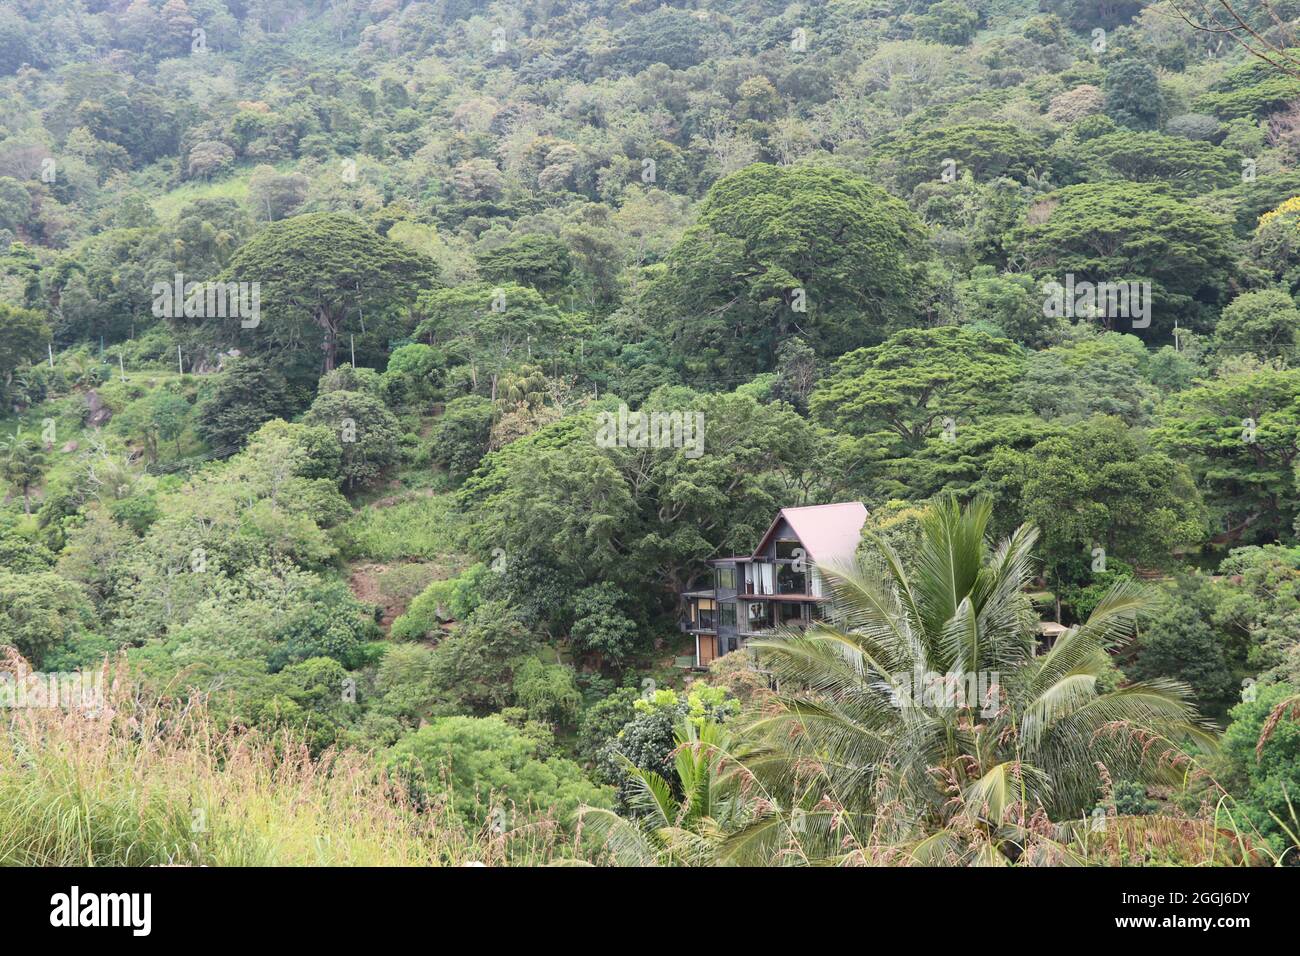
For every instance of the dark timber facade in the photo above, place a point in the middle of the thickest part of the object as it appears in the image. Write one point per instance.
(776, 585)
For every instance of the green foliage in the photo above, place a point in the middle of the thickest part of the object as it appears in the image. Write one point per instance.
(566, 513)
(475, 664)
(367, 433)
(24, 335)
(1090, 375)
(1189, 167)
(246, 396)
(1133, 95)
(418, 527)
(319, 273)
(1179, 642)
(1130, 799)
(1097, 485)
(493, 772)
(414, 375)
(1266, 778)
(672, 37)
(22, 463)
(489, 329)
(1265, 324)
(1240, 434)
(1116, 232)
(460, 437)
(40, 611)
(541, 262)
(1009, 305)
(948, 21)
(451, 600)
(602, 721)
(329, 623)
(1259, 603)
(903, 387)
(649, 740)
(985, 150)
(875, 740)
(406, 683)
(774, 240)
(547, 691)
(600, 622)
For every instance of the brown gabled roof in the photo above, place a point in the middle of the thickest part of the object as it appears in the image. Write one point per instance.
(829, 533)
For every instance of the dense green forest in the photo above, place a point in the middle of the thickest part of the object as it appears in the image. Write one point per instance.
(312, 313)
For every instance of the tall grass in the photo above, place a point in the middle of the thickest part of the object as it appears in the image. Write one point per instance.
(147, 783)
(419, 527)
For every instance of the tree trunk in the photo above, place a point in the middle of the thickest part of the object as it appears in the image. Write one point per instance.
(330, 344)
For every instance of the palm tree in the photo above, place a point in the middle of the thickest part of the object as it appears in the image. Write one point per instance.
(921, 715)
(22, 465)
(667, 831)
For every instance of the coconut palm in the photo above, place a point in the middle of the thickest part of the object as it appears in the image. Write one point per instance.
(22, 463)
(921, 714)
(667, 831)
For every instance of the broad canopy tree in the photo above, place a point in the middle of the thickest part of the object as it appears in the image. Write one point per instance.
(321, 274)
(489, 329)
(909, 384)
(781, 250)
(1098, 485)
(1122, 232)
(569, 514)
(1241, 436)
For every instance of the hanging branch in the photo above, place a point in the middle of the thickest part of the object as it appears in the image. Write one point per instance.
(1224, 17)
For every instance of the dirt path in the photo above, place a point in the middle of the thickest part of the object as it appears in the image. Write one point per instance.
(363, 579)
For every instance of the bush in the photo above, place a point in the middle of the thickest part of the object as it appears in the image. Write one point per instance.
(493, 772)
(600, 626)
(449, 600)
(367, 432)
(1266, 780)
(418, 527)
(547, 692)
(460, 439)
(246, 396)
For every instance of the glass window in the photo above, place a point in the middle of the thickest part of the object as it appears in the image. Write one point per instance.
(729, 614)
(786, 549)
(791, 612)
(790, 581)
(705, 614)
(726, 578)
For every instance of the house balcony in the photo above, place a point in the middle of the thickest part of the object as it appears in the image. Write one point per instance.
(705, 624)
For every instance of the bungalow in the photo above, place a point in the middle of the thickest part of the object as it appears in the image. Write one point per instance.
(776, 585)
